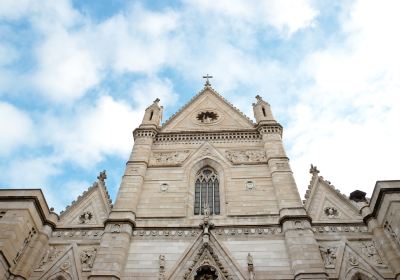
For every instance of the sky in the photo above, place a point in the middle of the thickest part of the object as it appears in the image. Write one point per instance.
(76, 76)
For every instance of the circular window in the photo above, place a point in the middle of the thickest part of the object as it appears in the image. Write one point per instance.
(207, 117)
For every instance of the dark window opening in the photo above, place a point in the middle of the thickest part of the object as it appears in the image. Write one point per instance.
(206, 192)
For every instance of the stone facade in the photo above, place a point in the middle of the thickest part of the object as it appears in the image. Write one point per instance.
(207, 195)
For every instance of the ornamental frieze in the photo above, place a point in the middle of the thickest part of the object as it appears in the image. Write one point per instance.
(78, 234)
(246, 156)
(168, 158)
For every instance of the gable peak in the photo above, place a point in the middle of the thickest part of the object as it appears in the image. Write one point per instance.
(208, 89)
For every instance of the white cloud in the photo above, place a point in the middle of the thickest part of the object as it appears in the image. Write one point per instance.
(30, 172)
(66, 69)
(92, 132)
(286, 16)
(345, 123)
(16, 129)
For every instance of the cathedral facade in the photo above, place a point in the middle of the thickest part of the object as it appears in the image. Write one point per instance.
(209, 194)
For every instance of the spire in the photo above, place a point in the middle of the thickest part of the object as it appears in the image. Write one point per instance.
(262, 111)
(153, 114)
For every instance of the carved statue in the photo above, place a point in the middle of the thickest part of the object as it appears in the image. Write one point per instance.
(85, 217)
(161, 262)
(369, 250)
(329, 256)
(87, 258)
(331, 212)
(250, 267)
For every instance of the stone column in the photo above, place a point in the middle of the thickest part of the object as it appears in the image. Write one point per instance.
(114, 246)
(306, 260)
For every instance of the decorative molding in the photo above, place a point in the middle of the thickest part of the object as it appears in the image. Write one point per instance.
(168, 158)
(246, 156)
(78, 234)
(166, 233)
(250, 185)
(341, 228)
(194, 137)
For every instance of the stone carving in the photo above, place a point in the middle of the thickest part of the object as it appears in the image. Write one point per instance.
(250, 267)
(353, 261)
(250, 185)
(85, 217)
(79, 234)
(388, 227)
(102, 176)
(161, 263)
(329, 256)
(169, 158)
(298, 225)
(48, 257)
(206, 224)
(25, 244)
(203, 259)
(116, 228)
(246, 156)
(368, 248)
(87, 257)
(322, 229)
(163, 187)
(331, 212)
(207, 117)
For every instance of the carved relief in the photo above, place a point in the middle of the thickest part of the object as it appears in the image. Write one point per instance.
(49, 256)
(78, 234)
(353, 261)
(331, 212)
(368, 248)
(168, 158)
(329, 256)
(246, 156)
(85, 217)
(115, 228)
(207, 117)
(25, 244)
(87, 257)
(388, 228)
(250, 185)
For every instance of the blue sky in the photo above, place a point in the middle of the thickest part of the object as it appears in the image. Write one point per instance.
(76, 76)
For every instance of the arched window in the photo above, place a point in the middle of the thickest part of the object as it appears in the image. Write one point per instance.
(206, 191)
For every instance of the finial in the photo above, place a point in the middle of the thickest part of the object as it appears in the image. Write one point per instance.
(102, 176)
(207, 77)
(259, 98)
(156, 100)
(314, 170)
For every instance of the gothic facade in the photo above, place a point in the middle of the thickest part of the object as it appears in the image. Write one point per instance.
(209, 194)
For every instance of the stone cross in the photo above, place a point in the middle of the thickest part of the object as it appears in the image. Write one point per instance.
(207, 81)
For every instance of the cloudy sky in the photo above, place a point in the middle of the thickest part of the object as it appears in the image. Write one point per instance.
(76, 76)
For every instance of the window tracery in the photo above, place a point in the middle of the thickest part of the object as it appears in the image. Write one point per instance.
(207, 191)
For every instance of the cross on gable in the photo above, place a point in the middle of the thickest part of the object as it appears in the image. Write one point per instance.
(207, 77)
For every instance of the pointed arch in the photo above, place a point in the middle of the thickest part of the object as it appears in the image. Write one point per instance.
(192, 169)
(358, 273)
(207, 193)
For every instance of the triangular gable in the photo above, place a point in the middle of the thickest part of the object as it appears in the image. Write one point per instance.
(90, 209)
(194, 115)
(66, 265)
(355, 262)
(324, 203)
(202, 254)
